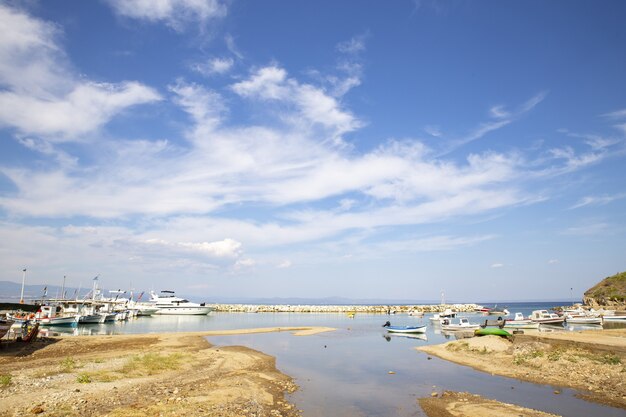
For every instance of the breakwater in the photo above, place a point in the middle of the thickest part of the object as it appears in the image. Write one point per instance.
(368, 309)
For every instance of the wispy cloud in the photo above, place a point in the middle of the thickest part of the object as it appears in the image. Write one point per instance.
(214, 66)
(502, 118)
(174, 13)
(497, 265)
(597, 200)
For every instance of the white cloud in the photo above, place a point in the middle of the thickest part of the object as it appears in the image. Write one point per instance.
(86, 108)
(353, 45)
(43, 96)
(271, 84)
(215, 66)
(553, 261)
(174, 13)
(497, 265)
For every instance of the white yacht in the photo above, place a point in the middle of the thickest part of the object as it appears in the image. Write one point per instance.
(168, 303)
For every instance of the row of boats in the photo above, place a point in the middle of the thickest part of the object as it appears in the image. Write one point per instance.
(99, 309)
(448, 321)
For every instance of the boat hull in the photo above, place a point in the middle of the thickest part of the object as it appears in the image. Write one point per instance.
(491, 331)
(406, 329)
(614, 318)
(526, 324)
(457, 328)
(58, 321)
(185, 311)
(584, 320)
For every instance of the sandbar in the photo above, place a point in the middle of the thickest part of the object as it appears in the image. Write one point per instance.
(169, 374)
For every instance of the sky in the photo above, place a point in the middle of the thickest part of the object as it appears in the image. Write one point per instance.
(360, 149)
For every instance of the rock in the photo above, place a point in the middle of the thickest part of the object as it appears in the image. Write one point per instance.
(37, 410)
(434, 394)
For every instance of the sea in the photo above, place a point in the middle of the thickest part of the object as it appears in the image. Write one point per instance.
(360, 369)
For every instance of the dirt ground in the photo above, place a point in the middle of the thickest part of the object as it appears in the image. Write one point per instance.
(177, 374)
(591, 362)
(463, 404)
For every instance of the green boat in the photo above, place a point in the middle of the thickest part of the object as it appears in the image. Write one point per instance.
(492, 331)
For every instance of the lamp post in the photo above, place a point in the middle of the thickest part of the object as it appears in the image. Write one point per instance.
(23, 279)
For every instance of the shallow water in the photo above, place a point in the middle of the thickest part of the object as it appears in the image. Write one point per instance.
(346, 372)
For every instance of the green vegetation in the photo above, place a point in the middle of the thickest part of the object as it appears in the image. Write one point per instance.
(67, 365)
(5, 380)
(83, 378)
(610, 289)
(151, 363)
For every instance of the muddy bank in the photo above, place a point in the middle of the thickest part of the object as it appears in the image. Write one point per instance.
(463, 404)
(592, 364)
(143, 375)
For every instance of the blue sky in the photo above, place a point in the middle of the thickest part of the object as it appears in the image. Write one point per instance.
(313, 149)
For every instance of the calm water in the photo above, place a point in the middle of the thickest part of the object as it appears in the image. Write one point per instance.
(346, 372)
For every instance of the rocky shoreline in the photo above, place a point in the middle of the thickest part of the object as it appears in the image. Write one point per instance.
(365, 309)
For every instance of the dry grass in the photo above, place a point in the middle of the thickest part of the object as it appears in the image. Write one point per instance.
(151, 363)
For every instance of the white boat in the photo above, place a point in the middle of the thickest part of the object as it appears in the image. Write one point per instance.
(168, 303)
(461, 324)
(615, 318)
(569, 319)
(520, 322)
(48, 315)
(544, 317)
(406, 329)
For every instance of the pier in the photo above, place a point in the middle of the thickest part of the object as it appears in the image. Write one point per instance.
(367, 309)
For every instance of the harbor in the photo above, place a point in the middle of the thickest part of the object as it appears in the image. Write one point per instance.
(388, 376)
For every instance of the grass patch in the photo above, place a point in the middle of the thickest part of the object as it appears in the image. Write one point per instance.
(103, 376)
(609, 359)
(67, 365)
(524, 358)
(555, 355)
(83, 378)
(5, 380)
(152, 363)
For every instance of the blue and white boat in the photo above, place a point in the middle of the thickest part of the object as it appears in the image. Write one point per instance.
(406, 329)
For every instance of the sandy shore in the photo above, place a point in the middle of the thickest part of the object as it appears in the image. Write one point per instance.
(593, 362)
(463, 404)
(176, 374)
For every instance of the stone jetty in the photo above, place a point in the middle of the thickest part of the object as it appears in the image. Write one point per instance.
(367, 309)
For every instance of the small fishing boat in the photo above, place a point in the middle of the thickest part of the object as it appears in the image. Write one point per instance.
(491, 331)
(461, 324)
(48, 315)
(544, 317)
(404, 329)
(609, 315)
(520, 322)
(569, 319)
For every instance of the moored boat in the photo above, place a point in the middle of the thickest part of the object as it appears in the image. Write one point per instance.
(520, 322)
(50, 315)
(461, 324)
(168, 303)
(583, 319)
(405, 329)
(544, 317)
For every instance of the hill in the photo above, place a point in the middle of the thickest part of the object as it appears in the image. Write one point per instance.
(610, 292)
